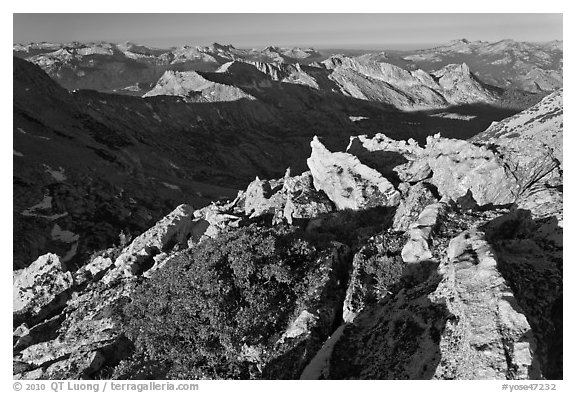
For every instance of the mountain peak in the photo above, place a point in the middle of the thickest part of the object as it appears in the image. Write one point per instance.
(271, 48)
(459, 41)
(506, 41)
(216, 45)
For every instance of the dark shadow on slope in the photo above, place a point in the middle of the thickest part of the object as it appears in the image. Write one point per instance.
(458, 122)
(351, 227)
(290, 364)
(290, 120)
(529, 255)
(399, 338)
(383, 161)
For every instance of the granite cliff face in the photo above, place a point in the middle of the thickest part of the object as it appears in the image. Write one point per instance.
(451, 85)
(190, 84)
(388, 261)
(538, 125)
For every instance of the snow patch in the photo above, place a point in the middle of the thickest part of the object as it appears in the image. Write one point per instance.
(357, 118)
(70, 254)
(59, 175)
(455, 116)
(133, 88)
(27, 133)
(45, 204)
(65, 236)
(300, 326)
(172, 186)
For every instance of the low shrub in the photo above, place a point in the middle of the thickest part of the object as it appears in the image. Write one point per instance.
(194, 316)
(380, 260)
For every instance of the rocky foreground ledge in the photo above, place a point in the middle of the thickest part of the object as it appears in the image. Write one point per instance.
(436, 262)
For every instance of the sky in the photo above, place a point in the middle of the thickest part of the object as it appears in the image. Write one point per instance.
(343, 30)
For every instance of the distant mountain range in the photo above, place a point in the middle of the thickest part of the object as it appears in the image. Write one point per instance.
(352, 77)
(507, 63)
(133, 69)
(130, 68)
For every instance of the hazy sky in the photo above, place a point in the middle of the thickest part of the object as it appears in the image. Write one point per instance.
(258, 30)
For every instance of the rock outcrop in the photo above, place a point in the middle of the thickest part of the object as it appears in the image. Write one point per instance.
(459, 166)
(40, 289)
(291, 199)
(461, 86)
(487, 335)
(414, 200)
(529, 247)
(532, 140)
(539, 123)
(261, 197)
(86, 340)
(208, 222)
(302, 200)
(417, 248)
(460, 320)
(93, 271)
(347, 182)
(173, 229)
(85, 333)
(397, 160)
(489, 170)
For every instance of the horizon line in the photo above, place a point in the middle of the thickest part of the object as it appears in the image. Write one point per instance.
(370, 46)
